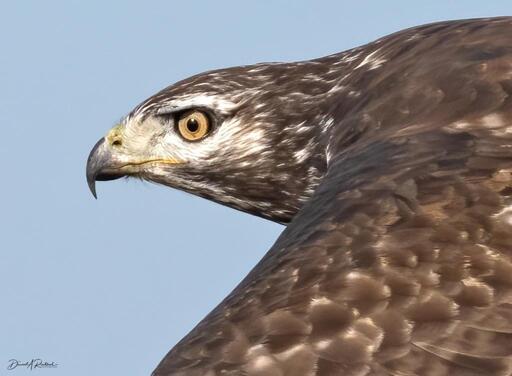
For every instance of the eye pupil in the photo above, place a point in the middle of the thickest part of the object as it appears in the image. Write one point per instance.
(192, 125)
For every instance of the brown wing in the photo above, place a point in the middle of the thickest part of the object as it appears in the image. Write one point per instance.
(401, 263)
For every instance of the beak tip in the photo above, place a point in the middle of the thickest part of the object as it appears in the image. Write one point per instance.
(91, 182)
(93, 167)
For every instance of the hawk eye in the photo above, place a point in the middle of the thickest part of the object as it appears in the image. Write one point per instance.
(193, 125)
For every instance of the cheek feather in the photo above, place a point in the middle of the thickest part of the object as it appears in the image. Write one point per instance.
(252, 143)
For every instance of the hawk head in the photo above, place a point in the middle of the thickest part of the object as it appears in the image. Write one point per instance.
(248, 137)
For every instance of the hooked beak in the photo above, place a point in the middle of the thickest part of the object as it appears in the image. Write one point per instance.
(105, 163)
(101, 166)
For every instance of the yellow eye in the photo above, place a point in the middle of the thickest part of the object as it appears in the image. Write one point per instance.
(193, 125)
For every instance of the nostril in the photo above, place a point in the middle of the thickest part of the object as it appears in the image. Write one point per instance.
(116, 142)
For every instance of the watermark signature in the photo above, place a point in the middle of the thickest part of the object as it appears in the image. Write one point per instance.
(31, 364)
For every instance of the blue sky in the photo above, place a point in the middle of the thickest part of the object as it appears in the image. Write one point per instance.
(107, 287)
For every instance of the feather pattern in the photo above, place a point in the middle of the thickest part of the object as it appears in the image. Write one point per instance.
(400, 263)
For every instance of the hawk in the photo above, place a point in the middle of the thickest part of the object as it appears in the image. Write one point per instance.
(391, 165)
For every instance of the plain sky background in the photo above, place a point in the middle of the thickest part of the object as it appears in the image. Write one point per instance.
(107, 287)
